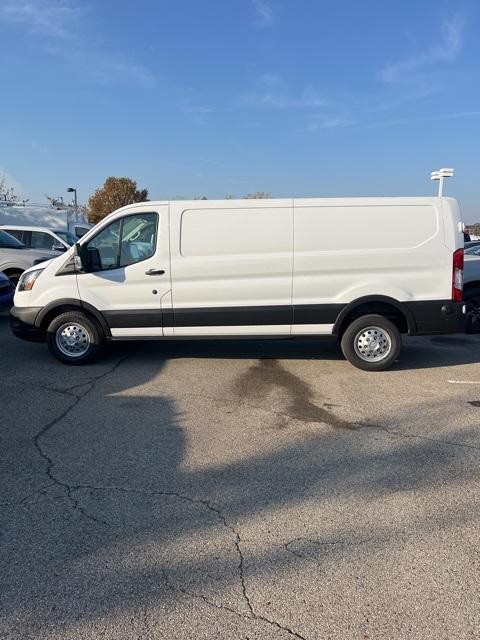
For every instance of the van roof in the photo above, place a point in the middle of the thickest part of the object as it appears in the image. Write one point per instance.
(304, 200)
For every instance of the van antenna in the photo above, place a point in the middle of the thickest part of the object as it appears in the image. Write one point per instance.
(440, 175)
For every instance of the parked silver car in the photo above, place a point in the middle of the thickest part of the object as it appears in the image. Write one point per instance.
(15, 257)
(41, 238)
(471, 280)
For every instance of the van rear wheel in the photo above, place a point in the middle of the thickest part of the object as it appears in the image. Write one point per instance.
(371, 343)
(74, 338)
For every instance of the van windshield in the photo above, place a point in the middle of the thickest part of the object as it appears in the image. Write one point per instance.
(9, 242)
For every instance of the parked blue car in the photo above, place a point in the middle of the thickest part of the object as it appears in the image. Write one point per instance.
(6, 292)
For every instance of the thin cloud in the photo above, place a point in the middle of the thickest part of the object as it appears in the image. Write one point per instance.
(60, 27)
(451, 41)
(196, 109)
(264, 13)
(213, 163)
(329, 122)
(284, 101)
(271, 80)
(47, 17)
(272, 91)
(197, 112)
(445, 116)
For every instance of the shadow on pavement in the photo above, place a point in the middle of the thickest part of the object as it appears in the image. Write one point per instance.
(125, 524)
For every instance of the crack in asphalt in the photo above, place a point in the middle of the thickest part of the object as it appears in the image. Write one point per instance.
(9, 503)
(409, 436)
(326, 543)
(222, 519)
(311, 413)
(251, 616)
(71, 489)
(50, 425)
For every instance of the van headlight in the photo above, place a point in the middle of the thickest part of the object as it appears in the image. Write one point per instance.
(27, 280)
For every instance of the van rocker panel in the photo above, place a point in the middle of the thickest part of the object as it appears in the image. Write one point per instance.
(425, 317)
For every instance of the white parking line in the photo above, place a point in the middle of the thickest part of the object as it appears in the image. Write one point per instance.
(463, 382)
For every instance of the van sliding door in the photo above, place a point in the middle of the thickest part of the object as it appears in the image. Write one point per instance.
(232, 267)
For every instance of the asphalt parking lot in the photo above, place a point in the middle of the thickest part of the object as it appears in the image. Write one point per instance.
(240, 490)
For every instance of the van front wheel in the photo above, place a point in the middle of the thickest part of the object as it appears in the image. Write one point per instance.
(371, 343)
(73, 338)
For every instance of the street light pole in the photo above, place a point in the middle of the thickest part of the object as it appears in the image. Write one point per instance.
(74, 191)
(440, 176)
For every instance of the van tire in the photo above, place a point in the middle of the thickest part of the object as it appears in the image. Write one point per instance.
(75, 338)
(361, 332)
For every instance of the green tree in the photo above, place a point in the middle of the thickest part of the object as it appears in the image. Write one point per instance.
(476, 229)
(115, 193)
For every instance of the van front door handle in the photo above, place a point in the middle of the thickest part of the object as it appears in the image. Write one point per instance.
(155, 272)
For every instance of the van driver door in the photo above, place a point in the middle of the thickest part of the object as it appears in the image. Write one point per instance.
(130, 281)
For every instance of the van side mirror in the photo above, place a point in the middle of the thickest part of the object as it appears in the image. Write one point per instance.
(80, 257)
(58, 246)
(89, 257)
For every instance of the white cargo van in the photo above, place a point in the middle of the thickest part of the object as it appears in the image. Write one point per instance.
(362, 270)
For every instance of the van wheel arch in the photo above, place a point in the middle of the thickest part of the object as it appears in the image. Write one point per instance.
(390, 308)
(49, 312)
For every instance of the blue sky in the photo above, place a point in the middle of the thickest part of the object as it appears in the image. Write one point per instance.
(209, 97)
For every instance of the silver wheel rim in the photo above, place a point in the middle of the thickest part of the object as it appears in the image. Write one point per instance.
(372, 344)
(72, 339)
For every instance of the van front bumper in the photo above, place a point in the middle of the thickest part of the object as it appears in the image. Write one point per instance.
(22, 323)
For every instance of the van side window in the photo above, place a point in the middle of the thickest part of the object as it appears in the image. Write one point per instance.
(107, 243)
(126, 241)
(138, 238)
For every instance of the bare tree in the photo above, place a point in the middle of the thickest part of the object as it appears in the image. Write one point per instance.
(56, 203)
(257, 195)
(7, 193)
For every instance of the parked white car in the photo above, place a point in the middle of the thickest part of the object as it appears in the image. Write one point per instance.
(15, 257)
(41, 238)
(66, 219)
(362, 270)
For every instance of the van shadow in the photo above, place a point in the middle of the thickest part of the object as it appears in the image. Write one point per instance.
(128, 525)
(417, 353)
